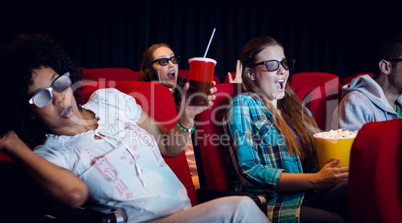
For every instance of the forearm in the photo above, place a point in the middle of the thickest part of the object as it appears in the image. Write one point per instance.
(296, 182)
(178, 137)
(171, 142)
(60, 184)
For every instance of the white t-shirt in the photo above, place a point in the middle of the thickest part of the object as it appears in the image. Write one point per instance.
(125, 167)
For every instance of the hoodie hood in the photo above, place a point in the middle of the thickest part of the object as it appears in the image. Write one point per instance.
(372, 90)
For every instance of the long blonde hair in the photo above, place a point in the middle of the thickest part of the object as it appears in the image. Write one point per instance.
(293, 113)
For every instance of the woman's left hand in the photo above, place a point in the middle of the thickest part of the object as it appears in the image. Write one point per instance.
(187, 111)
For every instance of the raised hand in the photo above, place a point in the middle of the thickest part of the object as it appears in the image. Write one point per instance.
(239, 70)
(188, 112)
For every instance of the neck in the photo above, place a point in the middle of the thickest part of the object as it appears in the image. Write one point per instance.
(390, 91)
(84, 121)
(274, 103)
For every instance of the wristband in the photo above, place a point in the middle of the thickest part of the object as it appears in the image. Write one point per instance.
(189, 130)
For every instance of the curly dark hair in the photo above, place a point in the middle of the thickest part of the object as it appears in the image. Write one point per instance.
(148, 73)
(18, 58)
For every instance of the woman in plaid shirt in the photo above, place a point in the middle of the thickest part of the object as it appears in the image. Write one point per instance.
(272, 149)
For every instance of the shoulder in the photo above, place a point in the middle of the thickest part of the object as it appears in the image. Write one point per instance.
(242, 102)
(110, 98)
(355, 104)
(249, 103)
(51, 154)
(106, 94)
(247, 98)
(355, 98)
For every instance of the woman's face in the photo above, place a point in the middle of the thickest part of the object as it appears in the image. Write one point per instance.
(272, 83)
(58, 114)
(167, 74)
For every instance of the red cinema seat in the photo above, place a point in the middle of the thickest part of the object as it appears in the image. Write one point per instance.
(375, 173)
(347, 80)
(209, 128)
(209, 144)
(110, 74)
(302, 83)
(184, 73)
(231, 77)
(322, 102)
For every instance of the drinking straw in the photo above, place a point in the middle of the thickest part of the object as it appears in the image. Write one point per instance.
(210, 40)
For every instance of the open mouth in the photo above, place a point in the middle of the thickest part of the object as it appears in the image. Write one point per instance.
(172, 75)
(67, 112)
(280, 84)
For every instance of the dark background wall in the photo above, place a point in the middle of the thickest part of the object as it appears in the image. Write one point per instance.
(329, 36)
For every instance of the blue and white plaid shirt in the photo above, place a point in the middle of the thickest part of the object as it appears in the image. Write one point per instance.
(258, 156)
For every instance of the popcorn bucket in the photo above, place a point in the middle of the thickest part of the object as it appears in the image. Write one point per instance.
(330, 149)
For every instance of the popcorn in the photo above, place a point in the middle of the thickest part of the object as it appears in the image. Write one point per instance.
(336, 134)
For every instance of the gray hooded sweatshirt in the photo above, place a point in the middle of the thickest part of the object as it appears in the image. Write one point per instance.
(363, 100)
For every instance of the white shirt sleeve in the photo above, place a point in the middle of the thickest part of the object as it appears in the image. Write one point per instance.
(110, 101)
(51, 155)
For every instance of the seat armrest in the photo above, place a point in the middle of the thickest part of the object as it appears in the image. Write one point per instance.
(21, 191)
(206, 194)
(107, 213)
(88, 213)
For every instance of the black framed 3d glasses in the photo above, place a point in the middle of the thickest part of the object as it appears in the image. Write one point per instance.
(165, 61)
(273, 65)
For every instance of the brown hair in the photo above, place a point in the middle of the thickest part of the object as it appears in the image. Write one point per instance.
(293, 113)
(148, 73)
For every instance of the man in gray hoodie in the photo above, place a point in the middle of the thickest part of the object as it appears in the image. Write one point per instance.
(367, 99)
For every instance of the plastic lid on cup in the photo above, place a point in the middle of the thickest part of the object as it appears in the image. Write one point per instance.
(202, 59)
